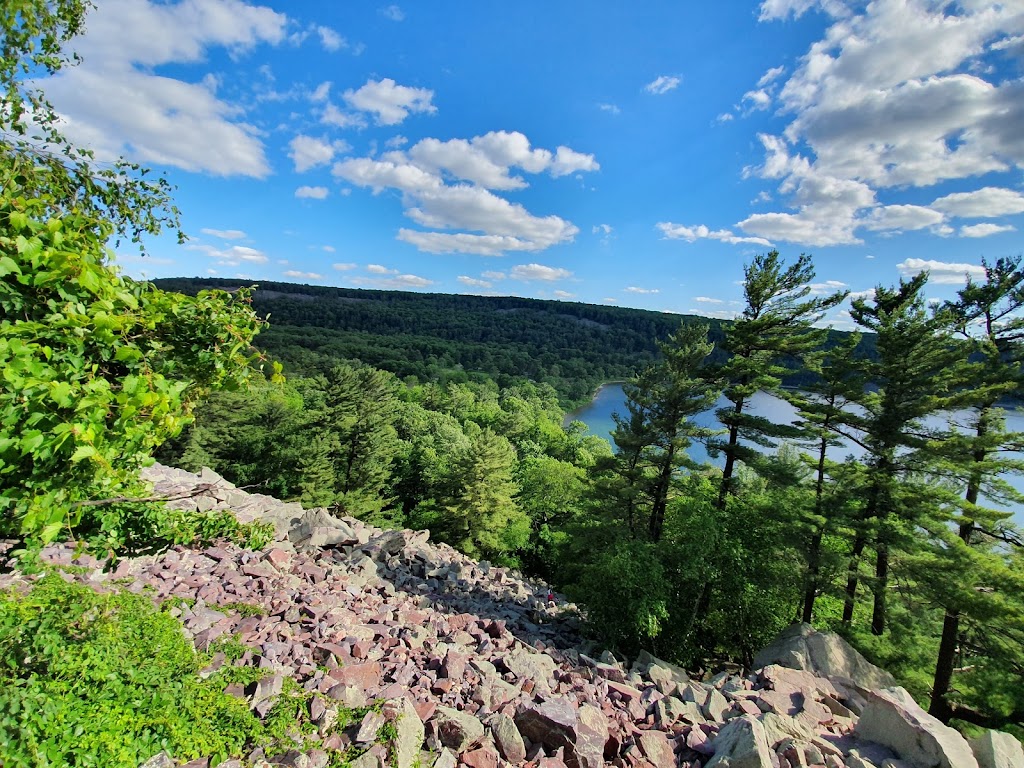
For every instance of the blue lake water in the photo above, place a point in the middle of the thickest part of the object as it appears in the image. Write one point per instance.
(610, 399)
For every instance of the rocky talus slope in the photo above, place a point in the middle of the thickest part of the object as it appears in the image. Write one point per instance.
(475, 668)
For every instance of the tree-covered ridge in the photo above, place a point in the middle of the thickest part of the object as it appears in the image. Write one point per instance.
(440, 337)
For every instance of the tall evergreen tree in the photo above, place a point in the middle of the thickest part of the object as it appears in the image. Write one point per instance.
(777, 325)
(986, 314)
(914, 375)
(823, 406)
(652, 442)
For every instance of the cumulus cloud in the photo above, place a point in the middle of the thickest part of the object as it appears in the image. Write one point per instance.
(231, 256)
(611, 108)
(473, 282)
(310, 152)
(224, 234)
(531, 272)
(492, 275)
(943, 272)
(330, 39)
(563, 295)
(894, 95)
(708, 300)
(115, 103)
(303, 275)
(662, 84)
(344, 267)
(393, 12)
(446, 186)
(985, 203)
(985, 230)
(312, 193)
(379, 269)
(636, 289)
(672, 231)
(389, 102)
(396, 283)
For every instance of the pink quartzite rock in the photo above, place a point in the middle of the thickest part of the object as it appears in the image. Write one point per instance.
(558, 724)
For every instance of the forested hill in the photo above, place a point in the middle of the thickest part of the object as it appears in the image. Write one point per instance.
(443, 337)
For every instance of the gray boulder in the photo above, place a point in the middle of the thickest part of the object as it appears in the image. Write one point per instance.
(894, 719)
(824, 654)
(995, 749)
(741, 744)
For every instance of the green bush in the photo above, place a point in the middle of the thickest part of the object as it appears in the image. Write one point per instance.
(107, 679)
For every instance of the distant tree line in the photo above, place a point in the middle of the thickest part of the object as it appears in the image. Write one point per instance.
(444, 338)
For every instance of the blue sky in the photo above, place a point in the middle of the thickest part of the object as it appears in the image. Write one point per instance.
(606, 152)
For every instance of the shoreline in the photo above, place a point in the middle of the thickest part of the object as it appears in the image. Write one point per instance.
(570, 417)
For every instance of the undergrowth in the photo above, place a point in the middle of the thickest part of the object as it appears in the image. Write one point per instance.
(108, 679)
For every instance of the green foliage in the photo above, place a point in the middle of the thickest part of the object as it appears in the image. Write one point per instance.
(95, 679)
(98, 369)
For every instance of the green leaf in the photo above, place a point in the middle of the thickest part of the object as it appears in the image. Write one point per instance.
(83, 452)
(8, 266)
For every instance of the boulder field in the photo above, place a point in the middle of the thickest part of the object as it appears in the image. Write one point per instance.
(472, 666)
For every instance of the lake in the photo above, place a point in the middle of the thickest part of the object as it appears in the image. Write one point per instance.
(610, 398)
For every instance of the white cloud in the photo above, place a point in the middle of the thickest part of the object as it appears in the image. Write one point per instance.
(672, 231)
(891, 97)
(984, 230)
(708, 300)
(635, 289)
(432, 177)
(610, 108)
(344, 267)
(330, 39)
(321, 92)
(563, 295)
(312, 193)
(472, 282)
(493, 275)
(389, 102)
(334, 116)
(224, 234)
(604, 229)
(758, 100)
(393, 12)
(114, 102)
(231, 256)
(827, 287)
(902, 218)
(530, 272)
(984, 203)
(662, 84)
(868, 295)
(568, 161)
(309, 152)
(396, 142)
(942, 272)
(396, 283)
(302, 275)
(725, 117)
(769, 76)
(378, 269)
(721, 314)
(610, 300)
(328, 248)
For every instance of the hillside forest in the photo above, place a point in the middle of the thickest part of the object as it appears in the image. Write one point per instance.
(456, 425)
(906, 549)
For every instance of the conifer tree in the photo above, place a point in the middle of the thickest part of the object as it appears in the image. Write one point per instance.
(913, 376)
(776, 325)
(987, 315)
(823, 406)
(652, 442)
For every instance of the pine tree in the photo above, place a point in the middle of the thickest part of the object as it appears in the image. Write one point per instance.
(823, 407)
(776, 325)
(914, 376)
(987, 315)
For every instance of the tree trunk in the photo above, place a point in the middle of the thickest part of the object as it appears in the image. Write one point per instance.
(881, 586)
(852, 578)
(946, 661)
(657, 522)
(814, 551)
(730, 458)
